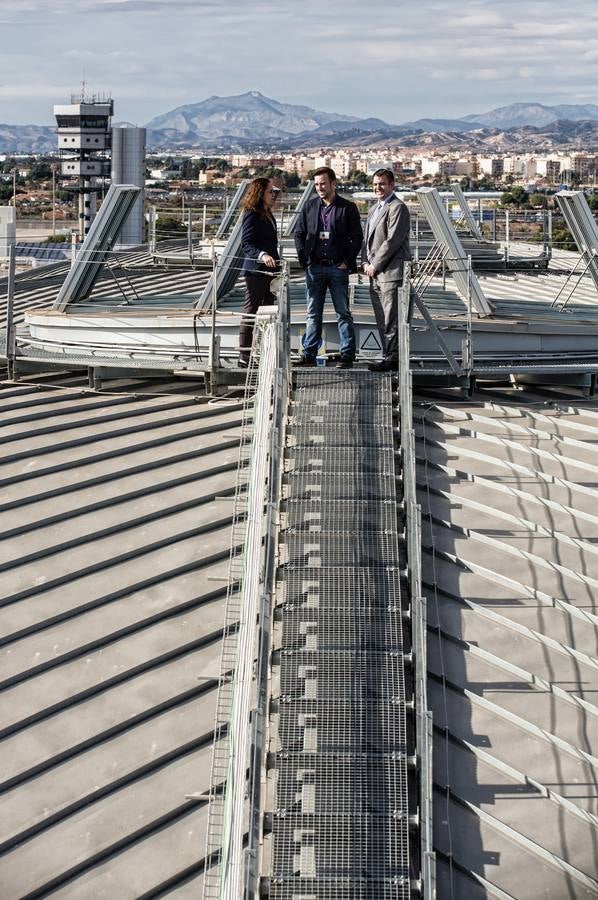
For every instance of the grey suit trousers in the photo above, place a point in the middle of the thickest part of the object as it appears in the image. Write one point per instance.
(385, 300)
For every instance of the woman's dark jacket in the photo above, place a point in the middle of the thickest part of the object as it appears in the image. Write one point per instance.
(258, 235)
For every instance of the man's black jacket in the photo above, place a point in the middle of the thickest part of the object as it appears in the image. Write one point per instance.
(346, 236)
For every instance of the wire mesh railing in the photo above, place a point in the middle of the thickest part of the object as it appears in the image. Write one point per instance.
(417, 600)
(241, 703)
(132, 326)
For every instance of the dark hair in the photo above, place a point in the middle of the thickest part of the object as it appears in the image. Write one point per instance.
(385, 173)
(325, 170)
(254, 197)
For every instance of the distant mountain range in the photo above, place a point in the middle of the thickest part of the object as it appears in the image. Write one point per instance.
(27, 139)
(251, 120)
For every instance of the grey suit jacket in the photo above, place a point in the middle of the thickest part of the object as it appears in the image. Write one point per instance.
(388, 241)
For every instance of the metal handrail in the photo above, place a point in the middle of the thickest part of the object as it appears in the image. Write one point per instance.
(248, 615)
(260, 713)
(10, 334)
(418, 602)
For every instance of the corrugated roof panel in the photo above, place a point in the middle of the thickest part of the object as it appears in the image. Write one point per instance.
(115, 542)
(509, 487)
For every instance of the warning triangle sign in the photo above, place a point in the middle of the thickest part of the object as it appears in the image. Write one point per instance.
(371, 342)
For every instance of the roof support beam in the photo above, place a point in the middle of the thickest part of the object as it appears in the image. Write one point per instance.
(100, 240)
(229, 215)
(582, 225)
(455, 256)
(466, 210)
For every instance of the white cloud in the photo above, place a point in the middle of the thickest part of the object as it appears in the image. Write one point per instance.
(426, 59)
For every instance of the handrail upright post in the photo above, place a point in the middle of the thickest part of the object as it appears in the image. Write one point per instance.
(274, 475)
(214, 350)
(10, 328)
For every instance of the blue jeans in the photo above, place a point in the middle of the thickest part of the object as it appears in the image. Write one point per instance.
(317, 280)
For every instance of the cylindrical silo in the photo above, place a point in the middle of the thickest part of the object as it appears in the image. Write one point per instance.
(128, 167)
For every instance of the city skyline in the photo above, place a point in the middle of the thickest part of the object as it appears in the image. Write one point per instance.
(426, 61)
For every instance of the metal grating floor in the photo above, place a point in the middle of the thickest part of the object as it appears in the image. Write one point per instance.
(346, 460)
(359, 515)
(348, 589)
(339, 548)
(343, 414)
(338, 434)
(332, 889)
(339, 725)
(374, 627)
(335, 485)
(342, 784)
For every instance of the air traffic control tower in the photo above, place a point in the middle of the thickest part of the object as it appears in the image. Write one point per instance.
(84, 139)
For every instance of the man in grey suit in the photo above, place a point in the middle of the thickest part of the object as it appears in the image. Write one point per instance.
(385, 249)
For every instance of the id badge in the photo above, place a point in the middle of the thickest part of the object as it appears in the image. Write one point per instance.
(324, 235)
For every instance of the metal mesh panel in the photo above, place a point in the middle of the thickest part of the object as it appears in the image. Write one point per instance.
(356, 388)
(222, 756)
(339, 732)
(373, 628)
(339, 485)
(345, 460)
(354, 675)
(335, 588)
(343, 784)
(342, 726)
(335, 378)
(329, 433)
(332, 889)
(323, 411)
(348, 394)
(345, 846)
(320, 549)
(360, 514)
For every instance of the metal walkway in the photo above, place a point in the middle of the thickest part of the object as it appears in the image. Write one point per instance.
(339, 733)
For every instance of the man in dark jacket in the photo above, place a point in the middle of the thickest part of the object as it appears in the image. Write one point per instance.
(328, 238)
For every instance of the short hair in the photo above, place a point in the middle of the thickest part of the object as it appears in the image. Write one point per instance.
(385, 173)
(325, 170)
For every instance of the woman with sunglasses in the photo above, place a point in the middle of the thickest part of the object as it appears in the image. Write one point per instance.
(261, 258)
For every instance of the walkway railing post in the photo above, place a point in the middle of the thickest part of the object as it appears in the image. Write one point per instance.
(214, 355)
(417, 600)
(10, 328)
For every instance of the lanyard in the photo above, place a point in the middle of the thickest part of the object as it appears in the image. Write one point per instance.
(326, 215)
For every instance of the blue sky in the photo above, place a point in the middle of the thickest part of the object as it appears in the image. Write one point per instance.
(394, 60)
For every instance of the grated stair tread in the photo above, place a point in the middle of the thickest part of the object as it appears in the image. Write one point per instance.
(339, 721)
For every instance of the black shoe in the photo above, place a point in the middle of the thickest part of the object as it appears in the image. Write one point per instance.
(387, 365)
(304, 361)
(345, 362)
(243, 363)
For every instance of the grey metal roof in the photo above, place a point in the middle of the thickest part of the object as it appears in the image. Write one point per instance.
(111, 530)
(133, 271)
(45, 250)
(115, 540)
(509, 495)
